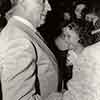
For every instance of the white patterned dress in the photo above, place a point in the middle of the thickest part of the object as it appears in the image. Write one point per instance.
(85, 84)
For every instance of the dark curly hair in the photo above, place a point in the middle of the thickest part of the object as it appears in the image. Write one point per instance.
(5, 5)
(3, 22)
(85, 27)
(85, 36)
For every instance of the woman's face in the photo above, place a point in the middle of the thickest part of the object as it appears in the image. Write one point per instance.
(61, 43)
(78, 10)
(71, 37)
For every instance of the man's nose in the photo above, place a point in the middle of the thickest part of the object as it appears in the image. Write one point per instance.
(48, 7)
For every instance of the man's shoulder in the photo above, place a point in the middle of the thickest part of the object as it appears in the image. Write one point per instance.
(13, 31)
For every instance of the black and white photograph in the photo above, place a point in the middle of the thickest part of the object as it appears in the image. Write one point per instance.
(49, 49)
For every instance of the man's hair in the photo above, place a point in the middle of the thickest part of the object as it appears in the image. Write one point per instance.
(13, 8)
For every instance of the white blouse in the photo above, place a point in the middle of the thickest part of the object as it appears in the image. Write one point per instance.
(85, 84)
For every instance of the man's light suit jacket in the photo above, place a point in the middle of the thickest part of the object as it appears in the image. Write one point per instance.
(18, 63)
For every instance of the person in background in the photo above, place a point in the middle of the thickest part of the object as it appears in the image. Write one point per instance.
(94, 18)
(28, 68)
(81, 9)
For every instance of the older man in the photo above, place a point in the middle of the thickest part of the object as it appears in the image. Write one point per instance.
(28, 67)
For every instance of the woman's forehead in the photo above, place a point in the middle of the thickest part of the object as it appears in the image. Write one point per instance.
(67, 30)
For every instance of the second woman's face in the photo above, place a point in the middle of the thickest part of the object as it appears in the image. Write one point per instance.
(78, 10)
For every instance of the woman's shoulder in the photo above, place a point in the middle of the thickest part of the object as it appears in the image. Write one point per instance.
(92, 53)
(92, 49)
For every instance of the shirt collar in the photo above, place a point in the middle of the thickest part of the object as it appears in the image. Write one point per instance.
(24, 21)
(27, 23)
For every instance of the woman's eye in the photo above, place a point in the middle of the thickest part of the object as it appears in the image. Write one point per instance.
(67, 36)
(63, 36)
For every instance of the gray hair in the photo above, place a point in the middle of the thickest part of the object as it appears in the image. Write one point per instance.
(14, 3)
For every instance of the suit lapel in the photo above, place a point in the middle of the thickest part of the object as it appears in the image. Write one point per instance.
(35, 36)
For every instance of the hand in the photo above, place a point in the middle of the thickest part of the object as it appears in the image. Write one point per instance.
(37, 97)
(68, 96)
(55, 96)
(72, 57)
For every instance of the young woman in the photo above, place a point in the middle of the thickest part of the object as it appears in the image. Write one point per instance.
(85, 82)
(60, 49)
(80, 10)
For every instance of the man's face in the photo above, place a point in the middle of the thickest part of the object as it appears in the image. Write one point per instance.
(78, 10)
(40, 11)
(71, 37)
